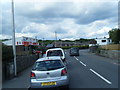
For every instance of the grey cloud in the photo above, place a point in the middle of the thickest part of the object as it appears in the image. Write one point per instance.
(60, 30)
(66, 10)
(55, 14)
(100, 12)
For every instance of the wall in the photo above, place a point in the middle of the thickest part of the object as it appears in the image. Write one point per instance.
(93, 49)
(114, 54)
(111, 47)
(23, 62)
(111, 53)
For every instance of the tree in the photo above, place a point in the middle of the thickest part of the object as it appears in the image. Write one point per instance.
(93, 41)
(114, 35)
(82, 40)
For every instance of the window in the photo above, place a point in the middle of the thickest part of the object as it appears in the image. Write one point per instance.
(48, 65)
(26, 38)
(55, 53)
(103, 40)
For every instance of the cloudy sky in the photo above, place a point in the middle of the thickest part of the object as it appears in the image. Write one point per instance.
(71, 19)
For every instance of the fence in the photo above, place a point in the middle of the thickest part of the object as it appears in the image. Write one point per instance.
(111, 47)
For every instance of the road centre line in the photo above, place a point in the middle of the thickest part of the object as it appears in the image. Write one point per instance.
(94, 72)
(75, 58)
(80, 61)
(100, 76)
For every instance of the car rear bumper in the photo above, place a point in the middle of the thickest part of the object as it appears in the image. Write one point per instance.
(59, 83)
(72, 54)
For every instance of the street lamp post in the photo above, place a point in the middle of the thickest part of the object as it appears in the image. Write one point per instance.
(13, 39)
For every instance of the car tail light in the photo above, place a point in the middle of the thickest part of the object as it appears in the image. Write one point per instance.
(44, 53)
(32, 74)
(47, 60)
(63, 72)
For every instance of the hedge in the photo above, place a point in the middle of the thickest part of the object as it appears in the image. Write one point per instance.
(80, 47)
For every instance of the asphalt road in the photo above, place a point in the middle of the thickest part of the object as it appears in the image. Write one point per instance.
(85, 71)
(91, 71)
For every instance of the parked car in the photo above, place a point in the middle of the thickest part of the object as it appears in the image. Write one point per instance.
(49, 72)
(74, 51)
(56, 52)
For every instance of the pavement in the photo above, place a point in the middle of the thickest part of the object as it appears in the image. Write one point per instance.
(21, 81)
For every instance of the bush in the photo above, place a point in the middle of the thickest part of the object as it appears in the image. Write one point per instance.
(43, 49)
(80, 47)
(7, 53)
(98, 50)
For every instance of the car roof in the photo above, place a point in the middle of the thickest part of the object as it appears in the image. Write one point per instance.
(49, 58)
(74, 48)
(55, 49)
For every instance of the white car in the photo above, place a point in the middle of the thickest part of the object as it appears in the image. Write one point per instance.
(56, 52)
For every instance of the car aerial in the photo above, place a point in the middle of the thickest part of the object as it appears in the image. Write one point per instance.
(49, 72)
(74, 51)
(56, 52)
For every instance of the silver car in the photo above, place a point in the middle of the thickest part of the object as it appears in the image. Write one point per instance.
(49, 72)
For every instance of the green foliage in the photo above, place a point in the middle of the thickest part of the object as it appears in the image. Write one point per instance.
(45, 42)
(33, 47)
(67, 41)
(93, 41)
(43, 49)
(114, 34)
(4, 40)
(7, 53)
(80, 47)
(98, 50)
(82, 40)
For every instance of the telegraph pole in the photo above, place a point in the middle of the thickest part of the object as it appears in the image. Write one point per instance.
(43, 42)
(55, 38)
(13, 39)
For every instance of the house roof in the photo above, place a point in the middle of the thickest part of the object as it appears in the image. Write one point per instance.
(50, 45)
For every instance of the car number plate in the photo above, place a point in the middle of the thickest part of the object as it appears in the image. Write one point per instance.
(48, 83)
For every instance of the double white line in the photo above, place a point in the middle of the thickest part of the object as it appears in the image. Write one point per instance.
(94, 72)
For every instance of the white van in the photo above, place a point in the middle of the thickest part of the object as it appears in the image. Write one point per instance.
(56, 52)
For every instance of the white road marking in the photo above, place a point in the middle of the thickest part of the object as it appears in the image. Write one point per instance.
(80, 61)
(100, 76)
(83, 64)
(75, 58)
(94, 72)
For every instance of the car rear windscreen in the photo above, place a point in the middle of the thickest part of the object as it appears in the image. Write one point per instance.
(48, 65)
(55, 53)
(74, 50)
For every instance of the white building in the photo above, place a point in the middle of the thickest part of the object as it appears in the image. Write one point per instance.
(103, 41)
(23, 41)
